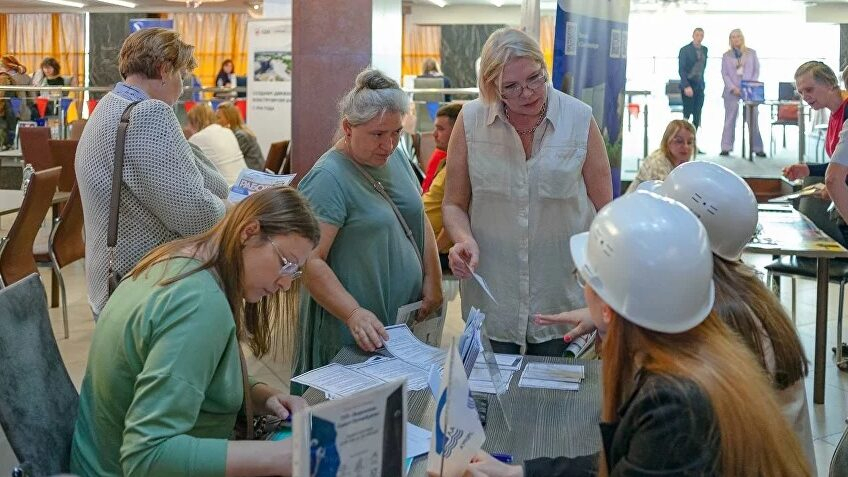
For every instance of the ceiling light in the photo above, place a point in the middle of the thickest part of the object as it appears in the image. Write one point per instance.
(120, 3)
(497, 3)
(439, 3)
(65, 3)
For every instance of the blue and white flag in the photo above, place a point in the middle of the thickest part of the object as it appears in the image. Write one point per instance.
(457, 432)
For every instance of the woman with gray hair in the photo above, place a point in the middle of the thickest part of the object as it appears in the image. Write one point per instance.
(377, 250)
(527, 169)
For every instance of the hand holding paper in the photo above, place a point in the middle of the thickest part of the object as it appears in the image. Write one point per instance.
(463, 258)
(368, 332)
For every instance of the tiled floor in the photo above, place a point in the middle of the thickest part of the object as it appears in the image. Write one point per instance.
(828, 421)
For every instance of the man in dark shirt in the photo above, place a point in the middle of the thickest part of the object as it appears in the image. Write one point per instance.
(692, 60)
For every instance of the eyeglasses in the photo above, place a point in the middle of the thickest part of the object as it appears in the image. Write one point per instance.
(535, 82)
(289, 269)
(577, 276)
(679, 141)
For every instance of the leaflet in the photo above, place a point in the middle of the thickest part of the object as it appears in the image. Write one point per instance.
(250, 181)
(483, 285)
(337, 381)
(417, 440)
(402, 343)
(387, 369)
(552, 376)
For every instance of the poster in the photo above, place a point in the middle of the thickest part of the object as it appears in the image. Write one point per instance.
(269, 73)
(590, 60)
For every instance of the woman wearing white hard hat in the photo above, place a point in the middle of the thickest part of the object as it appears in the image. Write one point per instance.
(728, 209)
(682, 396)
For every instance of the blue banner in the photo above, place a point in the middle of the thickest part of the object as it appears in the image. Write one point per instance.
(590, 62)
(137, 24)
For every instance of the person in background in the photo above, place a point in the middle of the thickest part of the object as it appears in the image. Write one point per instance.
(677, 146)
(164, 379)
(229, 116)
(682, 395)
(218, 143)
(430, 69)
(226, 79)
(366, 266)
(434, 187)
(738, 64)
(169, 189)
(442, 127)
(8, 120)
(18, 72)
(692, 61)
(528, 168)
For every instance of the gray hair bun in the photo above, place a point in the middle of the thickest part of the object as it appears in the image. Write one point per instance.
(374, 79)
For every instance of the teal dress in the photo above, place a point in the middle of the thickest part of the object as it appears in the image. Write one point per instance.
(371, 256)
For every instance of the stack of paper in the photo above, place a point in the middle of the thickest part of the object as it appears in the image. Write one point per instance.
(471, 343)
(480, 380)
(566, 377)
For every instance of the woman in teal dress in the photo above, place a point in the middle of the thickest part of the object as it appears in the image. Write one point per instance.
(365, 267)
(164, 380)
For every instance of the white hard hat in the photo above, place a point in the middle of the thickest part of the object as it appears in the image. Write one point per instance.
(648, 257)
(650, 186)
(721, 199)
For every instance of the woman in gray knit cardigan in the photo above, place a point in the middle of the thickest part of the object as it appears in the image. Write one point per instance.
(169, 190)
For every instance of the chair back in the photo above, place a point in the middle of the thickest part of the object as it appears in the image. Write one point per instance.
(839, 462)
(38, 400)
(276, 156)
(34, 147)
(76, 128)
(63, 152)
(787, 113)
(66, 242)
(786, 91)
(16, 258)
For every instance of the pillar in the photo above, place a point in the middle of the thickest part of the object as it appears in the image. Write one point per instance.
(332, 41)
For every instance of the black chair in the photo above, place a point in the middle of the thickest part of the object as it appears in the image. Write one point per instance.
(38, 401)
(675, 97)
(839, 462)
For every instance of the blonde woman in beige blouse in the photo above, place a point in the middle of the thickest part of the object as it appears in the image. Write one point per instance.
(677, 147)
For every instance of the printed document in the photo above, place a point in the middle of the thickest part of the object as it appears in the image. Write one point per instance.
(337, 381)
(402, 343)
(250, 181)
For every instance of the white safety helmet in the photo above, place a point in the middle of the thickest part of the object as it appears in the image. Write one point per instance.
(650, 186)
(648, 257)
(721, 199)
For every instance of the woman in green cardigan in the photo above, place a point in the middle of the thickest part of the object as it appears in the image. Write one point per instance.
(164, 381)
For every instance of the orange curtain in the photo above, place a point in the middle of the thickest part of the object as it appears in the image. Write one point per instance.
(29, 38)
(419, 43)
(4, 37)
(216, 37)
(69, 44)
(547, 27)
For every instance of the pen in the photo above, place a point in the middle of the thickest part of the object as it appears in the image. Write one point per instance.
(505, 458)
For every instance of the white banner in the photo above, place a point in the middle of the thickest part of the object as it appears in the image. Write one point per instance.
(269, 73)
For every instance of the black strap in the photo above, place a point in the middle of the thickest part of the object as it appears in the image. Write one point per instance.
(117, 175)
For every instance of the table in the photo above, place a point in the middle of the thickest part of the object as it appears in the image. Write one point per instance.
(545, 423)
(10, 200)
(785, 231)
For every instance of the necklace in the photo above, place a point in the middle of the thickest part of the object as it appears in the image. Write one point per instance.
(538, 121)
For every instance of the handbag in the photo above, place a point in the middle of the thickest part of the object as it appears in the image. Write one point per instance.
(112, 276)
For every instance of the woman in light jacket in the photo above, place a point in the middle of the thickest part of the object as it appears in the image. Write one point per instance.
(737, 64)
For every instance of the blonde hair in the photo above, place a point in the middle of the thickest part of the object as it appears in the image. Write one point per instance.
(200, 116)
(279, 210)
(673, 126)
(502, 46)
(742, 48)
(146, 51)
(233, 117)
(753, 439)
(429, 67)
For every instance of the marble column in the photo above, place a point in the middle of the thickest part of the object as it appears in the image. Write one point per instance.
(332, 41)
(107, 33)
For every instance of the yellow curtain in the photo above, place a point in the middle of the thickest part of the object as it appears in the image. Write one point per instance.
(70, 39)
(546, 39)
(4, 38)
(419, 43)
(29, 38)
(216, 37)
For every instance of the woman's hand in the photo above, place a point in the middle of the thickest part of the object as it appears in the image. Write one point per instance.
(581, 319)
(367, 330)
(431, 297)
(796, 171)
(284, 405)
(484, 465)
(463, 258)
(734, 90)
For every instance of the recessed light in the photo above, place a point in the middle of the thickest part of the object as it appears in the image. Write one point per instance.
(120, 3)
(439, 3)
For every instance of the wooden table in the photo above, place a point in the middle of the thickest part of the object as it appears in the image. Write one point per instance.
(543, 422)
(11, 200)
(785, 231)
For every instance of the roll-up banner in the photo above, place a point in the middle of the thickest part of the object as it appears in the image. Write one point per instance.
(269, 73)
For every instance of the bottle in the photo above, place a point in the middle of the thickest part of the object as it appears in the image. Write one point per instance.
(27, 173)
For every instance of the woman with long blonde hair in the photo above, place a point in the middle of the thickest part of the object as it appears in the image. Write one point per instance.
(229, 116)
(678, 146)
(738, 64)
(682, 395)
(166, 376)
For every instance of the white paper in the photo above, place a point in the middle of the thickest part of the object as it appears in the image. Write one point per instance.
(337, 381)
(388, 369)
(403, 344)
(483, 285)
(510, 362)
(434, 380)
(417, 440)
(250, 181)
(547, 384)
(407, 313)
(554, 372)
